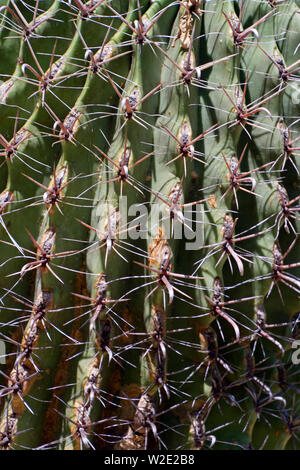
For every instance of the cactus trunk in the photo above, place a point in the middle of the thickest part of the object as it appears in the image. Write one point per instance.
(149, 221)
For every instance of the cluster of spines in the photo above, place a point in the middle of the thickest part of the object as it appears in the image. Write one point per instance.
(183, 127)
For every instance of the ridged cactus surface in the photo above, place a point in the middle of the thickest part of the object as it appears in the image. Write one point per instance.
(149, 221)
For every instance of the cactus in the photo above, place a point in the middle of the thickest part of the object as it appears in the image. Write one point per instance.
(149, 213)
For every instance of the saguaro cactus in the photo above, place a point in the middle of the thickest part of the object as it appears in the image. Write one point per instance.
(149, 215)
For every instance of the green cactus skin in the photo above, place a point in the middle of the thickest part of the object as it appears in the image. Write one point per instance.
(127, 127)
